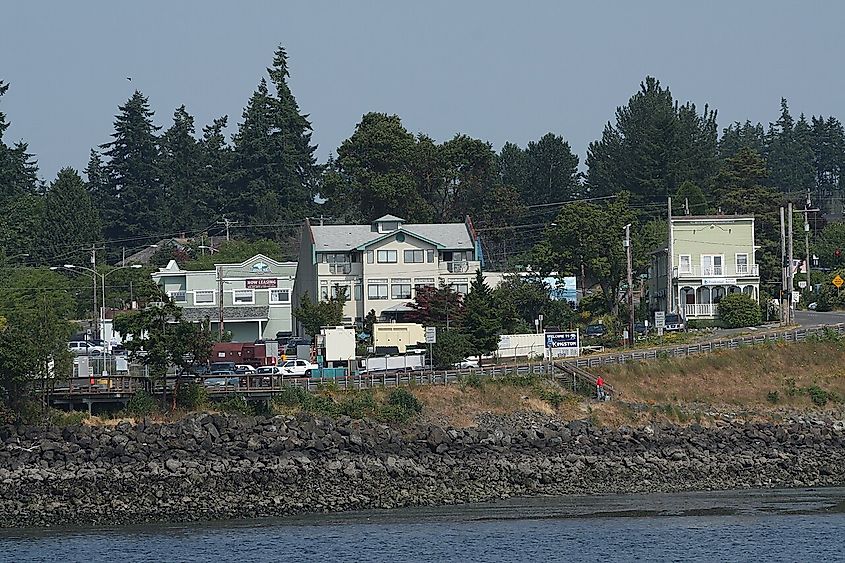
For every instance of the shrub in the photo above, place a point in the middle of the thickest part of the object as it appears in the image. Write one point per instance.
(404, 399)
(554, 398)
(237, 404)
(192, 396)
(291, 396)
(471, 379)
(773, 397)
(451, 347)
(738, 310)
(826, 334)
(819, 396)
(141, 404)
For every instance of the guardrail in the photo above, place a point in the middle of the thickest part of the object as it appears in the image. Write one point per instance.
(796, 335)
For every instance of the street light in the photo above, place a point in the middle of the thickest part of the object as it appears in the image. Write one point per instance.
(93, 274)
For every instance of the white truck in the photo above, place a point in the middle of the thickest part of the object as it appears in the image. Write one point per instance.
(408, 362)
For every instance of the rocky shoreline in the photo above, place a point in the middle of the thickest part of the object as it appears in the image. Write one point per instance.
(208, 467)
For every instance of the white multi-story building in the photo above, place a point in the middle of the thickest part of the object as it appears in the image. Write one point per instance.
(381, 265)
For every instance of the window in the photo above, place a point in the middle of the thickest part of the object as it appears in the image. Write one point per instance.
(203, 297)
(359, 292)
(414, 256)
(369, 257)
(400, 289)
(324, 292)
(337, 289)
(429, 256)
(377, 289)
(243, 297)
(460, 286)
(742, 263)
(423, 282)
(711, 265)
(279, 296)
(336, 258)
(386, 256)
(684, 264)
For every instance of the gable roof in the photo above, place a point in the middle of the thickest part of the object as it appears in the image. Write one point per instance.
(385, 236)
(389, 217)
(344, 238)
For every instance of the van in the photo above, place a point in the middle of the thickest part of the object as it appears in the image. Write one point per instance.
(83, 348)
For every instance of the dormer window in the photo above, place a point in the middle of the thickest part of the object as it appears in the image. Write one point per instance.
(387, 224)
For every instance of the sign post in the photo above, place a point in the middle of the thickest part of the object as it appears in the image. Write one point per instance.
(659, 322)
(431, 338)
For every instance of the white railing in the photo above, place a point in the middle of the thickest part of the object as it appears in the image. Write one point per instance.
(700, 310)
(717, 271)
(178, 296)
(340, 268)
(461, 266)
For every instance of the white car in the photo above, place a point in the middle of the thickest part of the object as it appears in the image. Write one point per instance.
(298, 368)
(467, 363)
(83, 348)
(267, 370)
(244, 369)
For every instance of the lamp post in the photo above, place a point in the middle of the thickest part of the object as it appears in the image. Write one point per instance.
(94, 274)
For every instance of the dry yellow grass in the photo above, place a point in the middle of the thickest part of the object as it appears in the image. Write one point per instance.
(742, 376)
(459, 405)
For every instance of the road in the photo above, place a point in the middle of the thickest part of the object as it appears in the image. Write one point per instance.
(814, 318)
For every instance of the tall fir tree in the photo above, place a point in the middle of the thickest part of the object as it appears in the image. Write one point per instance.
(480, 322)
(552, 171)
(179, 165)
(20, 202)
(273, 168)
(69, 222)
(134, 204)
(789, 154)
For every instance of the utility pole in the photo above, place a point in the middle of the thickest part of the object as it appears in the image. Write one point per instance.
(630, 285)
(686, 206)
(219, 304)
(791, 270)
(807, 210)
(783, 309)
(227, 223)
(95, 316)
(670, 292)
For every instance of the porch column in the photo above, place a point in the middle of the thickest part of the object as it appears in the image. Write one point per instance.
(260, 331)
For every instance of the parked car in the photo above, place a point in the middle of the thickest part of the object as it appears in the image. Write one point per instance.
(466, 363)
(84, 348)
(640, 329)
(224, 366)
(298, 368)
(244, 368)
(267, 370)
(221, 380)
(674, 323)
(595, 331)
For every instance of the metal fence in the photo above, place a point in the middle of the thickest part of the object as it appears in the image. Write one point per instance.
(797, 335)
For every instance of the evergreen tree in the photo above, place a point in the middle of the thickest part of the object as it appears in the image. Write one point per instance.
(134, 205)
(18, 171)
(512, 167)
(789, 154)
(692, 198)
(828, 146)
(469, 176)
(69, 222)
(180, 164)
(215, 162)
(273, 167)
(375, 173)
(738, 136)
(653, 148)
(480, 323)
(552, 171)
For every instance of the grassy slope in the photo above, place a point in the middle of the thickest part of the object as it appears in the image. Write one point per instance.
(744, 376)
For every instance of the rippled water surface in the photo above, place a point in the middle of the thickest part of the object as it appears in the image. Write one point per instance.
(801, 525)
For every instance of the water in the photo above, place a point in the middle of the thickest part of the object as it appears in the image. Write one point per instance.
(798, 525)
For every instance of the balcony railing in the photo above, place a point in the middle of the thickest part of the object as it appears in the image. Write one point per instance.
(746, 270)
(461, 267)
(340, 268)
(178, 296)
(700, 310)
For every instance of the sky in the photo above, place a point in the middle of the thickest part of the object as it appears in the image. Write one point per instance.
(499, 71)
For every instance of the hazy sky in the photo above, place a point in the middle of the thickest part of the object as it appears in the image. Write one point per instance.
(500, 71)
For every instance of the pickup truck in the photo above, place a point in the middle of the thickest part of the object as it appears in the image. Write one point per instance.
(298, 368)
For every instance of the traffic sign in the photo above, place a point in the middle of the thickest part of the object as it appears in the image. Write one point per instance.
(431, 335)
(659, 319)
(838, 281)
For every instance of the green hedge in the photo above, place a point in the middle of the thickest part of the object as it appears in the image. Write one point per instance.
(739, 310)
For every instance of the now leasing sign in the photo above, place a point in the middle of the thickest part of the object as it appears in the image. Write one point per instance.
(262, 283)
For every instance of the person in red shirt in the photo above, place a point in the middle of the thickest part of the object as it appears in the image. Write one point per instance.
(600, 388)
